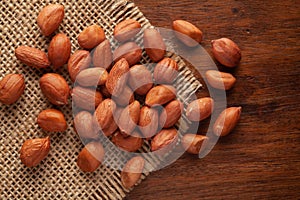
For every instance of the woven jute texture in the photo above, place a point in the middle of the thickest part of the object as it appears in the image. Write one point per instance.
(57, 176)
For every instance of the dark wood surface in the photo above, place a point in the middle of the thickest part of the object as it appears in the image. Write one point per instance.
(261, 158)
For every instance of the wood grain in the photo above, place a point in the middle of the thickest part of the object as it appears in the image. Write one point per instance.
(261, 158)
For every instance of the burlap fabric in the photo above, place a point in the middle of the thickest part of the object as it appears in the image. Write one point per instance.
(58, 176)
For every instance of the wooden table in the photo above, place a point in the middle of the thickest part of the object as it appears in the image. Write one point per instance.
(261, 158)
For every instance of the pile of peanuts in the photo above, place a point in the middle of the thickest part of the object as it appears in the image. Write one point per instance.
(116, 96)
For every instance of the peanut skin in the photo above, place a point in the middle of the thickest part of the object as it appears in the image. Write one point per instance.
(220, 80)
(227, 120)
(11, 88)
(187, 32)
(192, 143)
(132, 171)
(90, 157)
(52, 120)
(200, 109)
(226, 52)
(33, 151)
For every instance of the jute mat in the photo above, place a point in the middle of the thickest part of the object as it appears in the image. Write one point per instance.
(57, 176)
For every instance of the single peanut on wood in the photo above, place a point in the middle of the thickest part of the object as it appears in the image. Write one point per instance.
(227, 120)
